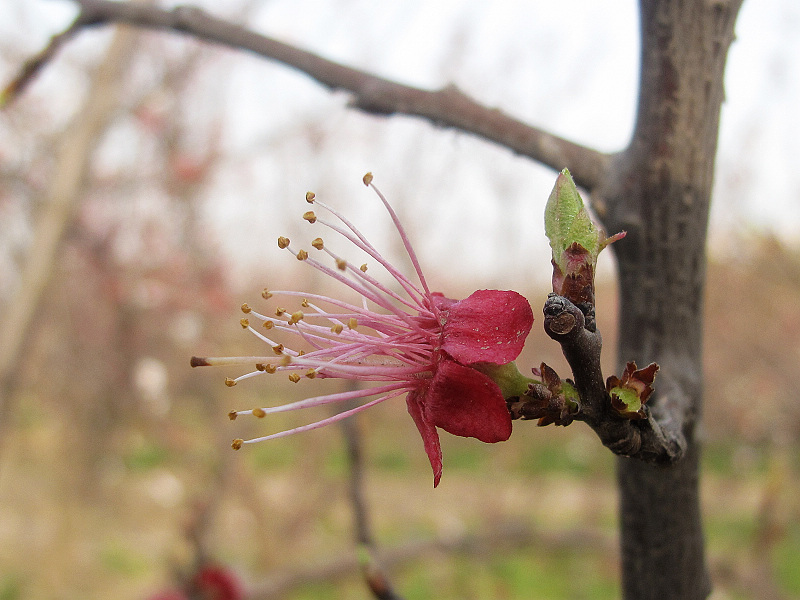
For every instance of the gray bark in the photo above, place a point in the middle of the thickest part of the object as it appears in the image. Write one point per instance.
(659, 190)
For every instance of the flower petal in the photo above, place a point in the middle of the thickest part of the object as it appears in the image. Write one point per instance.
(465, 402)
(488, 326)
(430, 437)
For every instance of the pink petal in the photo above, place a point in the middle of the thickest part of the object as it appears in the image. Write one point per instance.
(430, 437)
(488, 326)
(465, 402)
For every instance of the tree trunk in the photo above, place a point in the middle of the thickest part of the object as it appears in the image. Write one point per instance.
(659, 191)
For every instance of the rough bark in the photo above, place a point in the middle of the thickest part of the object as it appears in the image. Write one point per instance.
(659, 190)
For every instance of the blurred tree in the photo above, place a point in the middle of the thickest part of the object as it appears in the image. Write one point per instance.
(657, 189)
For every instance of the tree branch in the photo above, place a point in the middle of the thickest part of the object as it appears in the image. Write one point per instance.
(446, 107)
(658, 439)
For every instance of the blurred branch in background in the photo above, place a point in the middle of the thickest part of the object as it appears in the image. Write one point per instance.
(73, 155)
(374, 575)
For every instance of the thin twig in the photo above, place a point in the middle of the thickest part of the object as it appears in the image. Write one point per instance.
(374, 575)
(35, 64)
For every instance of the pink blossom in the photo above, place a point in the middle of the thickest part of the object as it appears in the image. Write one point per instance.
(402, 338)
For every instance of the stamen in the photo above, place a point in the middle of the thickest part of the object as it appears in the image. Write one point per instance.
(335, 418)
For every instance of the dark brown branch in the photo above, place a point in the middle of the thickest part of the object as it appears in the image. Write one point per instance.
(657, 439)
(446, 107)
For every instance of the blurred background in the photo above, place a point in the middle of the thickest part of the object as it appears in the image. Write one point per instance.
(144, 178)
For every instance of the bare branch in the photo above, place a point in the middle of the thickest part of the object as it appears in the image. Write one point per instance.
(446, 107)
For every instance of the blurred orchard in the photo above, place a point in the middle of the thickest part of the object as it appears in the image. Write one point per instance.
(144, 179)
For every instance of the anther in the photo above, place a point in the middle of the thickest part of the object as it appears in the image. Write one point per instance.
(363, 268)
(283, 242)
(244, 323)
(367, 178)
(279, 311)
(270, 368)
(232, 415)
(237, 443)
(296, 317)
(229, 382)
(341, 264)
(310, 197)
(338, 328)
(352, 323)
(245, 308)
(259, 412)
(260, 367)
(311, 373)
(294, 377)
(302, 255)
(305, 303)
(265, 294)
(318, 244)
(268, 324)
(310, 216)
(278, 349)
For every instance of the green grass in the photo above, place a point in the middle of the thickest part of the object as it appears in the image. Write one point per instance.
(786, 560)
(147, 454)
